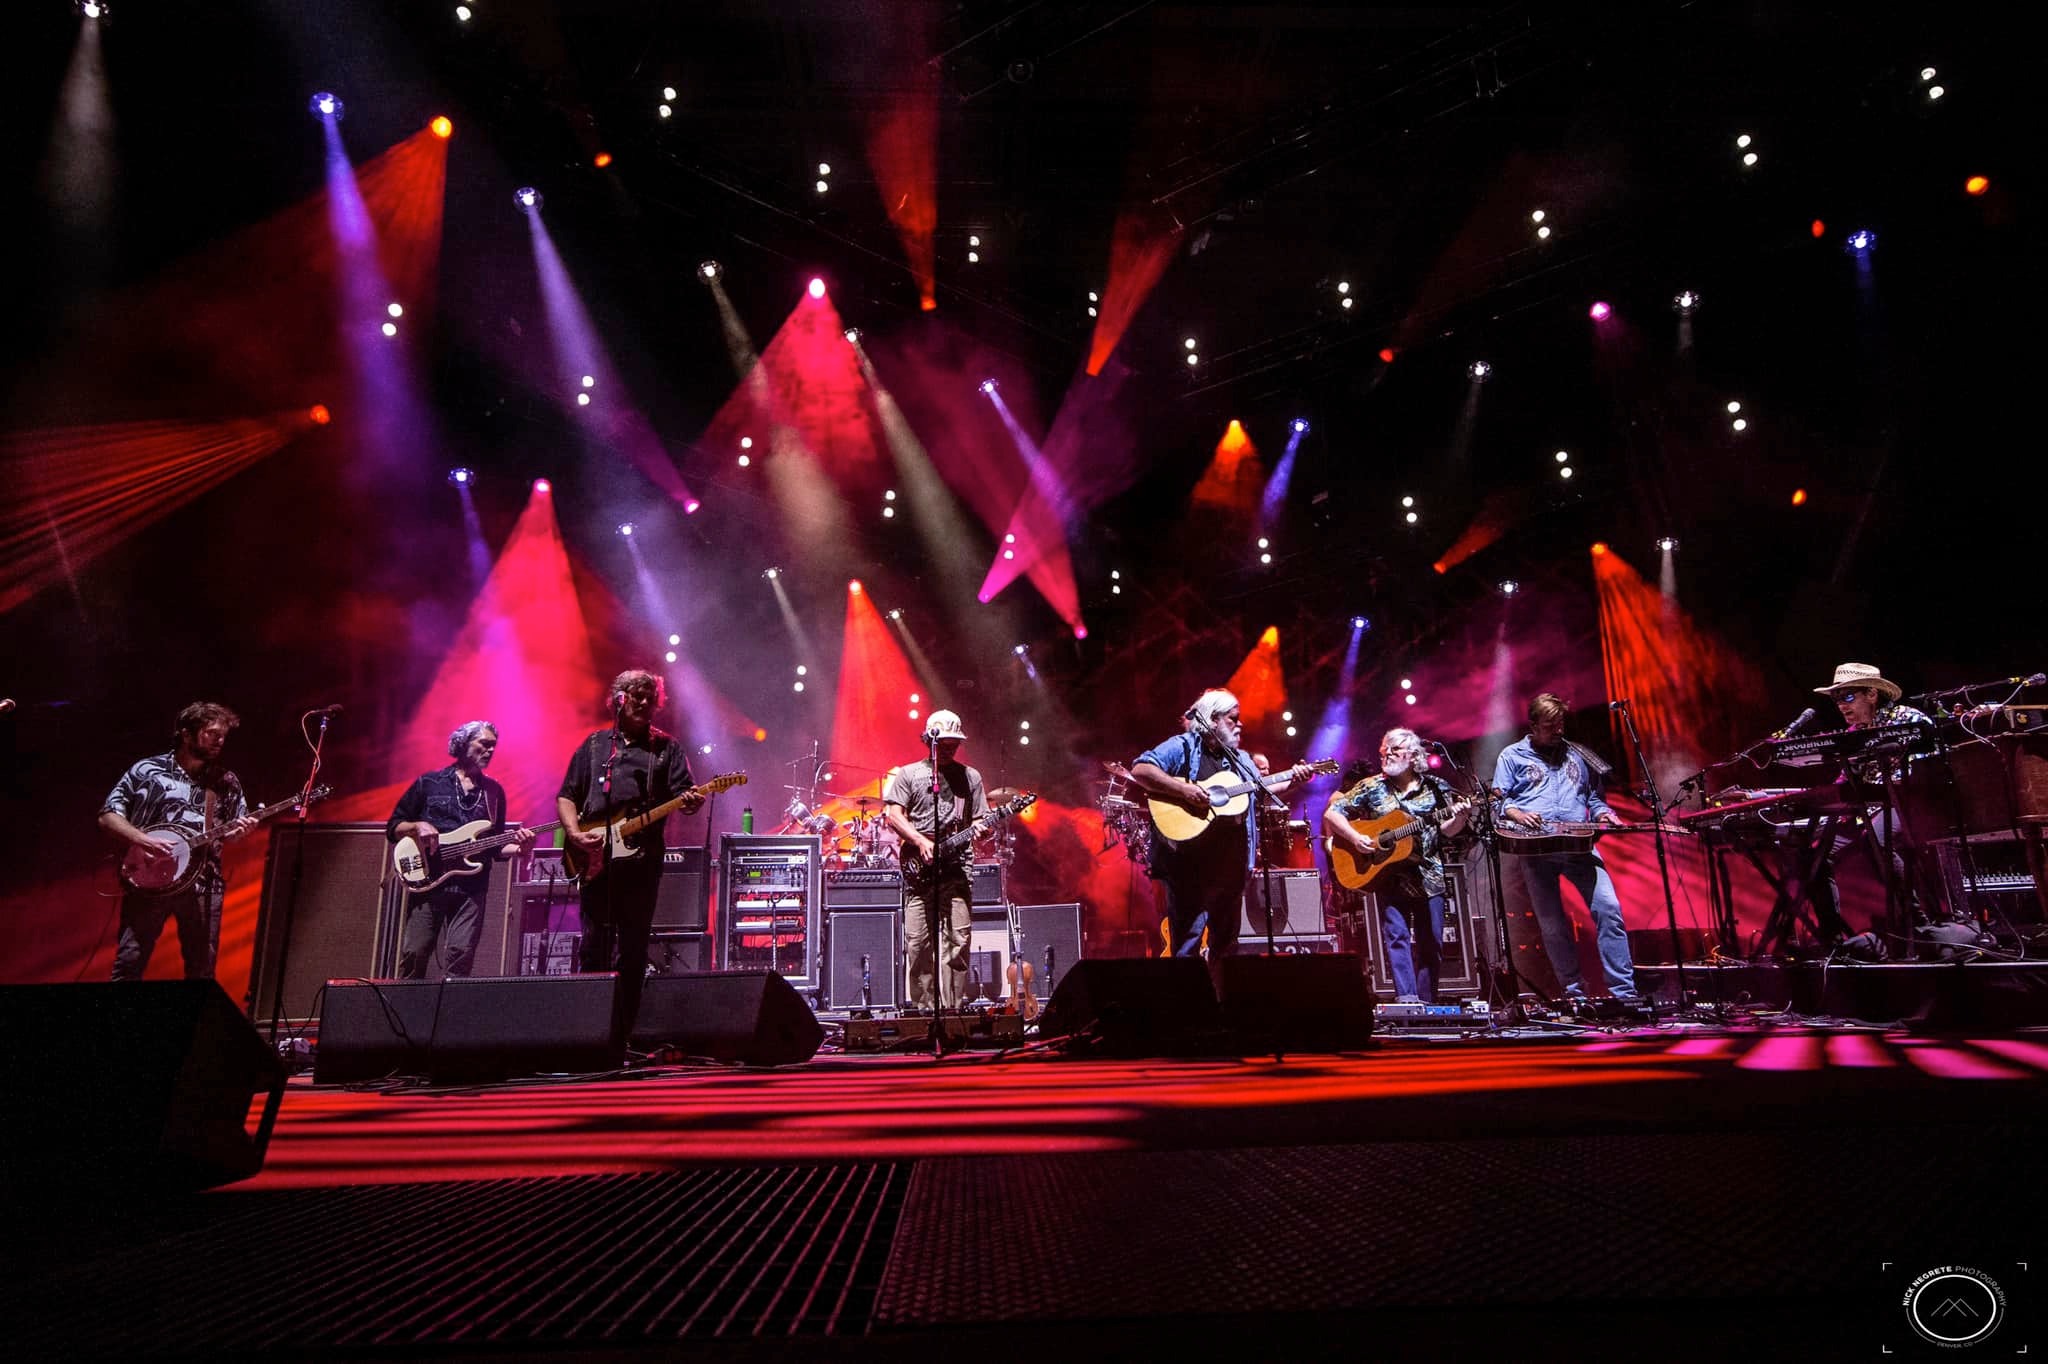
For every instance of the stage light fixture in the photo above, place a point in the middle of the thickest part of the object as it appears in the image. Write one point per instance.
(913, 713)
(463, 14)
(527, 198)
(1115, 590)
(1749, 158)
(1290, 731)
(583, 400)
(1344, 303)
(1734, 407)
(1009, 554)
(1479, 370)
(1407, 501)
(1094, 297)
(690, 508)
(1935, 92)
(1024, 739)
(974, 257)
(1387, 354)
(1926, 74)
(853, 586)
(803, 670)
(1116, 573)
(92, 9)
(626, 529)
(1343, 286)
(541, 485)
(668, 92)
(896, 613)
(319, 415)
(852, 335)
(389, 329)
(816, 288)
(1265, 558)
(675, 639)
(1667, 543)
(1860, 241)
(1976, 184)
(325, 105)
(824, 186)
(705, 750)
(709, 270)
(1010, 539)
(1599, 312)
(974, 241)
(460, 477)
(1599, 547)
(1194, 359)
(1300, 426)
(1742, 142)
(1093, 312)
(601, 160)
(443, 127)
(824, 168)
(1412, 518)
(1023, 724)
(1740, 424)
(1409, 698)
(889, 495)
(1407, 684)
(1799, 497)
(1018, 650)
(1508, 587)
(1287, 715)
(1564, 471)
(1359, 622)
(1264, 543)
(1537, 216)
(771, 574)
(1686, 301)
(745, 460)
(1563, 457)
(889, 513)
(796, 686)
(988, 386)
(665, 111)
(395, 309)
(1189, 344)
(1542, 234)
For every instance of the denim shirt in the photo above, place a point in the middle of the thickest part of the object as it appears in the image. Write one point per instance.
(1180, 757)
(1568, 791)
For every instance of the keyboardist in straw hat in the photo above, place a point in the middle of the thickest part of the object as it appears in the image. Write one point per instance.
(1865, 697)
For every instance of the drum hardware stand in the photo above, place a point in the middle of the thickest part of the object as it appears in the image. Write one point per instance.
(291, 900)
(1635, 740)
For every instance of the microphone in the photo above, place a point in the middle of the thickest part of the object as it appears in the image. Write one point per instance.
(1805, 719)
(334, 709)
(2030, 680)
(1618, 705)
(6, 704)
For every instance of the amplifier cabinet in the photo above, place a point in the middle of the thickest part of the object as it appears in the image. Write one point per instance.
(1297, 904)
(863, 888)
(986, 880)
(865, 966)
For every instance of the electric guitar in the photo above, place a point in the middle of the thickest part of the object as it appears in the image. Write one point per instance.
(148, 875)
(1566, 835)
(587, 864)
(946, 853)
(1395, 834)
(455, 855)
(1228, 798)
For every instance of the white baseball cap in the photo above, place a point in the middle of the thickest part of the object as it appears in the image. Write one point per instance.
(944, 724)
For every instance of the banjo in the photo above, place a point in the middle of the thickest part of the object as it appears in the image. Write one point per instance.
(189, 851)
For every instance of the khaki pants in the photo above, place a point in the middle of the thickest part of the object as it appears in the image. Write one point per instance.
(956, 920)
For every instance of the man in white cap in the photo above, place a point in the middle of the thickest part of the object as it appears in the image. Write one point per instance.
(922, 804)
(1866, 698)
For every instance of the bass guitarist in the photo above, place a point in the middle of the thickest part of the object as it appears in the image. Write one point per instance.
(1545, 777)
(916, 804)
(440, 802)
(628, 765)
(1411, 893)
(187, 787)
(1202, 879)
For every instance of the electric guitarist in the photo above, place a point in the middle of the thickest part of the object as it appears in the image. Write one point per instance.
(924, 803)
(629, 765)
(440, 802)
(1201, 879)
(187, 787)
(1390, 830)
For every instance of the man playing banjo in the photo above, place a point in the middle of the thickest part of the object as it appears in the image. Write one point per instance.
(189, 789)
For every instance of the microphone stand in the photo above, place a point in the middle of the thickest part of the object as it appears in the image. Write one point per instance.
(1635, 740)
(931, 905)
(1505, 973)
(291, 901)
(1250, 774)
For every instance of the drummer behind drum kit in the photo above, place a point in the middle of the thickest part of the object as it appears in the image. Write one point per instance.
(866, 840)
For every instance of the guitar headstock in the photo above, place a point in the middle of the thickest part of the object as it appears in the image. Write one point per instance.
(723, 782)
(1022, 802)
(1324, 767)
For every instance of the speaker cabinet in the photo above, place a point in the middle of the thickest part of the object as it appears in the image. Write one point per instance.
(985, 883)
(682, 903)
(340, 921)
(864, 968)
(497, 939)
(1297, 904)
(1049, 937)
(467, 1028)
(863, 888)
(755, 1018)
(127, 1087)
(676, 954)
(1137, 1006)
(1468, 929)
(1296, 1003)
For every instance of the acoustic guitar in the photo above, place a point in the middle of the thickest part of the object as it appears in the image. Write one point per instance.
(587, 864)
(148, 875)
(1229, 798)
(1395, 833)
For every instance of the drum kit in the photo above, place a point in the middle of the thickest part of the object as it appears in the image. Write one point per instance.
(866, 840)
(1123, 813)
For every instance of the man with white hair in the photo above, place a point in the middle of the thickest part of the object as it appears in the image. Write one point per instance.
(1202, 880)
(920, 800)
(436, 803)
(1411, 892)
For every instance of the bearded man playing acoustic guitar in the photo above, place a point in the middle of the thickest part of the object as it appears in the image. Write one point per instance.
(1411, 893)
(1202, 879)
(187, 787)
(441, 802)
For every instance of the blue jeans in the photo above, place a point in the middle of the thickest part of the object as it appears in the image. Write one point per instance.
(1588, 875)
(1413, 927)
(197, 911)
(1195, 903)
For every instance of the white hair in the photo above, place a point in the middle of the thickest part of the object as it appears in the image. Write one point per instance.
(1404, 741)
(1211, 704)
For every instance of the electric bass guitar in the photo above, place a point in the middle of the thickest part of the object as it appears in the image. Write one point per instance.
(587, 864)
(149, 875)
(1566, 835)
(455, 855)
(1228, 799)
(918, 870)
(1395, 834)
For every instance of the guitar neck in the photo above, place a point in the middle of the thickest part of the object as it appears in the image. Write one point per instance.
(629, 824)
(490, 841)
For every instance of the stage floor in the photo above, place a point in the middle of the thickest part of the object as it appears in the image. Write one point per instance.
(1656, 1193)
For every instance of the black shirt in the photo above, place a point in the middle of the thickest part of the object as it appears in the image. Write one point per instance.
(438, 799)
(642, 774)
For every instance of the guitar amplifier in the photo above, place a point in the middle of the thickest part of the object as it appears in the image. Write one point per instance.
(682, 902)
(863, 888)
(864, 951)
(987, 882)
(1297, 904)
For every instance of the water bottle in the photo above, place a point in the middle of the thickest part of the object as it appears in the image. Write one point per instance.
(747, 820)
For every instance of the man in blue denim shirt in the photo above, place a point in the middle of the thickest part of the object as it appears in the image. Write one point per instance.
(1202, 880)
(1543, 778)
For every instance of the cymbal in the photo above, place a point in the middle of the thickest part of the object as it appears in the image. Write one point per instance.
(854, 800)
(1003, 795)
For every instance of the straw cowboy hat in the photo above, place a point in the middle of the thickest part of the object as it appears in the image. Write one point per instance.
(1850, 675)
